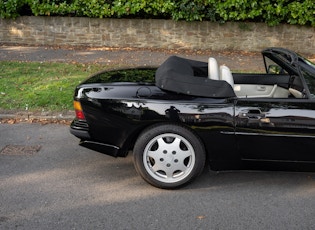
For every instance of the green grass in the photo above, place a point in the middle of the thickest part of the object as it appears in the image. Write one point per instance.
(41, 86)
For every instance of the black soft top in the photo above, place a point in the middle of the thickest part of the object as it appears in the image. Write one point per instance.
(189, 77)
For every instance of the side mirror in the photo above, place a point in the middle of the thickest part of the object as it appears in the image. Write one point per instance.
(275, 69)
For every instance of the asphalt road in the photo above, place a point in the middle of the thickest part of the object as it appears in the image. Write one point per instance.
(64, 186)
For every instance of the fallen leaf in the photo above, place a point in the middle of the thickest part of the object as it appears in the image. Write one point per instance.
(201, 217)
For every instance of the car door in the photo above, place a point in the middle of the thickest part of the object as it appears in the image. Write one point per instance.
(275, 129)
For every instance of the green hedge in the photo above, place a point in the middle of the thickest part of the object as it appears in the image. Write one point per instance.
(269, 11)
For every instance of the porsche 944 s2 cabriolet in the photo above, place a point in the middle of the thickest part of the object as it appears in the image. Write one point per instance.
(185, 113)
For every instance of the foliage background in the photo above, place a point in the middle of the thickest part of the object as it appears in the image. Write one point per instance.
(271, 12)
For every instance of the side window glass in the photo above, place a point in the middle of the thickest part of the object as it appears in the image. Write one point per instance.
(310, 81)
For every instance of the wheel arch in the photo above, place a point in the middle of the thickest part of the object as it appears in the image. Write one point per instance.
(131, 140)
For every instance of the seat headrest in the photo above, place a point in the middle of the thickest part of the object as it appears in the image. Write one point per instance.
(226, 75)
(213, 69)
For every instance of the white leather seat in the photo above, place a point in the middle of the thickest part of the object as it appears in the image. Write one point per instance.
(213, 69)
(226, 75)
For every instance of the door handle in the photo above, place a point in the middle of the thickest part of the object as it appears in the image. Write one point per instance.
(255, 114)
(252, 114)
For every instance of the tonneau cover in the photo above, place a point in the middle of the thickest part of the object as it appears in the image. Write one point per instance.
(189, 77)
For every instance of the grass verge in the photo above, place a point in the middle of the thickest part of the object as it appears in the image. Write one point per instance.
(38, 86)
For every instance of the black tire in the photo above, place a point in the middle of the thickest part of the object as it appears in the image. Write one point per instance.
(168, 156)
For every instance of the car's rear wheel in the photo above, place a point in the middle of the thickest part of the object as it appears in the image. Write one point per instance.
(168, 155)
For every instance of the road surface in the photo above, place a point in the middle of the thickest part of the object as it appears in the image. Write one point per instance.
(47, 181)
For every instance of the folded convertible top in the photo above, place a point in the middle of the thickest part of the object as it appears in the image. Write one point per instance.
(189, 77)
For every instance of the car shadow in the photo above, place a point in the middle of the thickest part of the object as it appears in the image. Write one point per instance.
(246, 178)
(210, 179)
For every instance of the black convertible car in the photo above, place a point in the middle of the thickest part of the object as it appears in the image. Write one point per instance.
(184, 113)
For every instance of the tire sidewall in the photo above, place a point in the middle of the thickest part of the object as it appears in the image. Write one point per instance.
(150, 133)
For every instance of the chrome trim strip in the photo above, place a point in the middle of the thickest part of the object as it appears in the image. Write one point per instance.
(272, 135)
(266, 134)
(228, 133)
(277, 161)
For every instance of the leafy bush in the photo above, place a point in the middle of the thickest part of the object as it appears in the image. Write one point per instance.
(143, 8)
(50, 8)
(190, 10)
(301, 13)
(10, 8)
(292, 12)
(92, 8)
(236, 10)
(272, 12)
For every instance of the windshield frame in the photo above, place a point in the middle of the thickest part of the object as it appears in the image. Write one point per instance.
(307, 69)
(294, 64)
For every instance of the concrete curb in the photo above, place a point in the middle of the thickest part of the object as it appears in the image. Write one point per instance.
(53, 117)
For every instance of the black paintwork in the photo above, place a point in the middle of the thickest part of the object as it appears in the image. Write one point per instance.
(236, 132)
